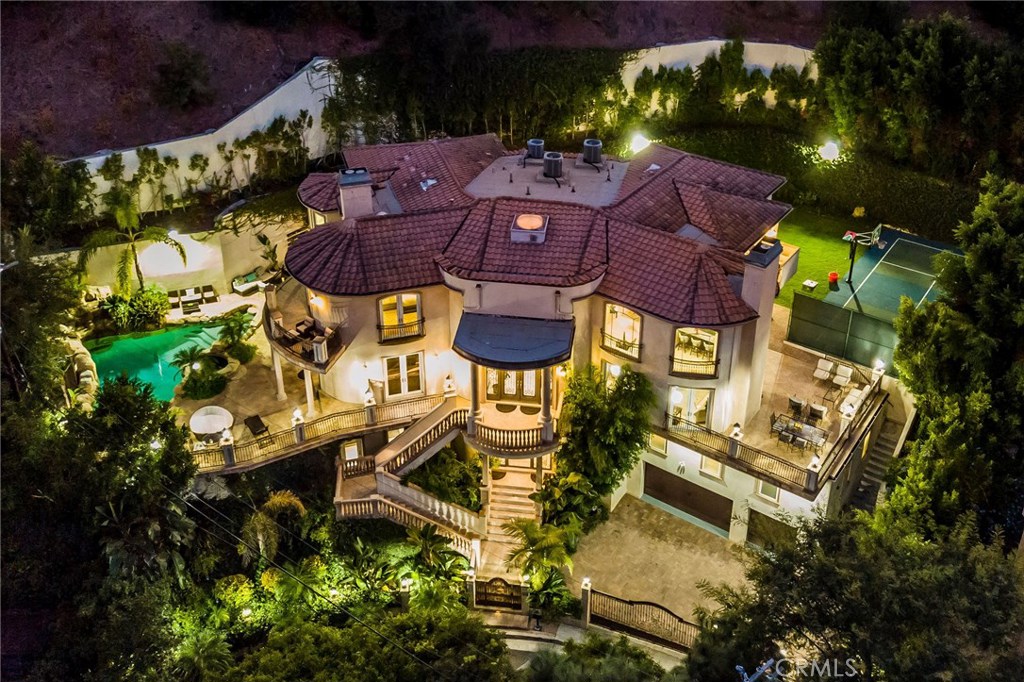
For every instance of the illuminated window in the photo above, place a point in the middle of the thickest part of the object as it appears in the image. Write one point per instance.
(768, 491)
(657, 444)
(404, 375)
(319, 218)
(610, 371)
(695, 352)
(689, 407)
(399, 317)
(711, 467)
(352, 449)
(621, 333)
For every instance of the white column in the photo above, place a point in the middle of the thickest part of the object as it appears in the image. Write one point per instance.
(474, 399)
(547, 432)
(310, 404)
(278, 374)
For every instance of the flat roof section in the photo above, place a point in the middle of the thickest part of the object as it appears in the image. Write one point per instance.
(593, 187)
(513, 343)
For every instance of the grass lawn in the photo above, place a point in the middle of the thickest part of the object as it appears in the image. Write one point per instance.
(822, 249)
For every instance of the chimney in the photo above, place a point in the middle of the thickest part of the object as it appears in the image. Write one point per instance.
(356, 188)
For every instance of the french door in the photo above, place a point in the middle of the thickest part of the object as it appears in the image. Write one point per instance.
(404, 375)
(519, 387)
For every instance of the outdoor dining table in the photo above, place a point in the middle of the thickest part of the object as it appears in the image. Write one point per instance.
(812, 434)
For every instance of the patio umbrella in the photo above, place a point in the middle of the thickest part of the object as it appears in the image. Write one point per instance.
(210, 420)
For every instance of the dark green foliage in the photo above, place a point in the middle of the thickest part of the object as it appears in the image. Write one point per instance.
(604, 430)
(233, 334)
(144, 309)
(569, 499)
(457, 645)
(902, 607)
(183, 78)
(52, 200)
(243, 352)
(595, 659)
(203, 383)
(450, 477)
(962, 358)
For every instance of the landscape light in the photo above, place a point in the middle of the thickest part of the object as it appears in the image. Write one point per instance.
(615, 370)
(829, 151)
(879, 365)
(155, 444)
(196, 365)
(172, 234)
(638, 143)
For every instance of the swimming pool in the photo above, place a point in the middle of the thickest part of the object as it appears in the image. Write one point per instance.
(150, 356)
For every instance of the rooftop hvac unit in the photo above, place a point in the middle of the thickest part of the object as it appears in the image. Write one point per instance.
(535, 149)
(592, 151)
(552, 164)
(529, 228)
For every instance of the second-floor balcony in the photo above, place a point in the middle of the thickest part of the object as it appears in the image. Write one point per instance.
(621, 346)
(689, 367)
(295, 333)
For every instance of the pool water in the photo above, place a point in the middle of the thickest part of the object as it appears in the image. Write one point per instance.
(149, 356)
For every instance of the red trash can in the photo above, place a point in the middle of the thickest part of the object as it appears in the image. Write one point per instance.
(833, 278)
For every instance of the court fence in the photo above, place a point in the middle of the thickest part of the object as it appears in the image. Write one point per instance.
(840, 332)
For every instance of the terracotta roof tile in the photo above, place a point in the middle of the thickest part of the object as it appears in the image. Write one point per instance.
(734, 221)
(674, 278)
(319, 191)
(453, 163)
(373, 255)
(574, 250)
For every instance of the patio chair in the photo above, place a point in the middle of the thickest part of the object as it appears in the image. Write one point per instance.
(800, 443)
(773, 426)
(174, 298)
(818, 413)
(843, 375)
(209, 295)
(258, 429)
(824, 370)
(786, 438)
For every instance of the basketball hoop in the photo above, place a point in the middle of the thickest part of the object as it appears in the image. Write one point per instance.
(869, 239)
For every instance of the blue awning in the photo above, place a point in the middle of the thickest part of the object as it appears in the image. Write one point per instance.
(506, 342)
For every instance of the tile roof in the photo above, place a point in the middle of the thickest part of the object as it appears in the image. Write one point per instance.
(676, 279)
(574, 251)
(453, 163)
(633, 242)
(375, 254)
(319, 191)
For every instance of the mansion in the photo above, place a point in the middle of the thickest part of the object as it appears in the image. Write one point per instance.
(467, 281)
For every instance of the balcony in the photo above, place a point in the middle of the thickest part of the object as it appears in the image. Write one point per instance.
(692, 368)
(627, 349)
(295, 333)
(397, 332)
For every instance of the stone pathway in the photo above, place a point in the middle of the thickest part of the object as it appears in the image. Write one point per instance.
(645, 554)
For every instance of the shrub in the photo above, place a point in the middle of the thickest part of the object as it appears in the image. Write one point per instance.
(203, 383)
(450, 477)
(243, 352)
(145, 308)
(569, 498)
(183, 78)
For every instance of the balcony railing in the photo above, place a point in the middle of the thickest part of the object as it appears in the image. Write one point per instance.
(316, 350)
(393, 463)
(730, 451)
(393, 332)
(693, 368)
(630, 349)
(514, 441)
(380, 507)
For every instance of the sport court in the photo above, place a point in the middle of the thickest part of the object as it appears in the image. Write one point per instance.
(883, 275)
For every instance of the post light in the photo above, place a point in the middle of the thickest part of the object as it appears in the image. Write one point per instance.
(736, 431)
(333, 592)
(297, 416)
(406, 583)
(829, 151)
(815, 462)
(246, 612)
(449, 386)
(615, 370)
(225, 436)
(585, 584)
(638, 143)
(368, 399)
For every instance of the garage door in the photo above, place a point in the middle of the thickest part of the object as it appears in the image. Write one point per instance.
(688, 497)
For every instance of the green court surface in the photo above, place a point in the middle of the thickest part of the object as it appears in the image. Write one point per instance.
(883, 276)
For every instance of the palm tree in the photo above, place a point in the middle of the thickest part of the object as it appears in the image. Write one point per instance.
(262, 530)
(188, 359)
(540, 549)
(234, 329)
(434, 556)
(130, 233)
(201, 655)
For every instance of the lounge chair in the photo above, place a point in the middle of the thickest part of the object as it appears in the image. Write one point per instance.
(843, 376)
(258, 429)
(796, 405)
(818, 413)
(209, 295)
(824, 370)
(174, 298)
